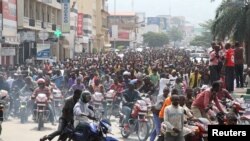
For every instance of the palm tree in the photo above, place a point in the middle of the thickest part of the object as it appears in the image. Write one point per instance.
(232, 21)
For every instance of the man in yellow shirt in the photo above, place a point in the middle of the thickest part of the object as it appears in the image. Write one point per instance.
(166, 103)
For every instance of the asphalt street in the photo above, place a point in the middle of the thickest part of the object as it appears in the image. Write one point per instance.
(13, 130)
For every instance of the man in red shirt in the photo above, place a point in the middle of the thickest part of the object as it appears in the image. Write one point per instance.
(204, 100)
(229, 67)
(239, 61)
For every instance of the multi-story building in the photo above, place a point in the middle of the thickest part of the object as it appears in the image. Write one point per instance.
(34, 16)
(102, 34)
(161, 22)
(127, 24)
(9, 37)
(95, 24)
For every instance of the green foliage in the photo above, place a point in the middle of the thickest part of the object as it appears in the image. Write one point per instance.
(95, 50)
(175, 34)
(120, 47)
(232, 21)
(206, 37)
(155, 39)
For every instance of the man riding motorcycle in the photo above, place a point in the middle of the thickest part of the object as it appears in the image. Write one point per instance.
(130, 96)
(204, 99)
(82, 113)
(148, 86)
(67, 116)
(43, 89)
(3, 84)
(49, 84)
(30, 85)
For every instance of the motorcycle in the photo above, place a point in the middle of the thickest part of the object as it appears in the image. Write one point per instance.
(113, 100)
(15, 100)
(137, 122)
(3, 106)
(97, 102)
(98, 131)
(5, 102)
(41, 113)
(24, 109)
(57, 102)
(149, 116)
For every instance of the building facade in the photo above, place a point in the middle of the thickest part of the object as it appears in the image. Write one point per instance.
(127, 26)
(34, 16)
(9, 37)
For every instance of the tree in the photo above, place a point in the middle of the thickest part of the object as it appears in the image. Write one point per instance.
(232, 21)
(206, 37)
(155, 39)
(175, 34)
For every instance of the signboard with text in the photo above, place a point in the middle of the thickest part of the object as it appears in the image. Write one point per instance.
(8, 51)
(65, 16)
(80, 24)
(43, 52)
(9, 17)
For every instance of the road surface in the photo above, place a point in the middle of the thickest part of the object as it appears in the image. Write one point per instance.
(13, 130)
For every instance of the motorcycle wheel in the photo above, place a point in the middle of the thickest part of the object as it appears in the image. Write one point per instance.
(151, 123)
(143, 131)
(109, 112)
(40, 121)
(124, 133)
(0, 128)
(22, 115)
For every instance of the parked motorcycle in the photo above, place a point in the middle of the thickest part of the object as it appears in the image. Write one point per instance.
(41, 113)
(137, 122)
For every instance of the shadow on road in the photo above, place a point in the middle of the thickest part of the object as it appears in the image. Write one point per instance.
(43, 129)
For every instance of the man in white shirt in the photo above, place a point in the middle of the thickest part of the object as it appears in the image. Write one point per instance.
(156, 109)
(163, 83)
(174, 120)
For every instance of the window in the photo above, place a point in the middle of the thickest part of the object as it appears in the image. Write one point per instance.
(38, 11)
(31, 10)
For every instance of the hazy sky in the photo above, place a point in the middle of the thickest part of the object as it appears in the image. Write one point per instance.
(195, 11)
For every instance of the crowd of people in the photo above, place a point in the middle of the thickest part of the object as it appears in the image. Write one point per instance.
(179, 88)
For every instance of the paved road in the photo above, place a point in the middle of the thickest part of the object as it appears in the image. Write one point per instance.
(13, 130)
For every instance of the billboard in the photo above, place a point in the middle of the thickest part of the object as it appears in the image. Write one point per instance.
(9, 17)
(65, 16)
(43, 51)
(160, 21)
(123, 35)
(80, 24)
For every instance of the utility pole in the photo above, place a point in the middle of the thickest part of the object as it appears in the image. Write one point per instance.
(115, 22)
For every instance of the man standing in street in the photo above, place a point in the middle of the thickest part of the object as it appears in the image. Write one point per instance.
(213, 64)
(229, 67)
(239, 61)
(174, 120)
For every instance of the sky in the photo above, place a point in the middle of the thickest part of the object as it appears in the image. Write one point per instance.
(195, 11)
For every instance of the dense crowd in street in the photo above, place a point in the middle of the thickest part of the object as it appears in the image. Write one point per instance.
(180, 91)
